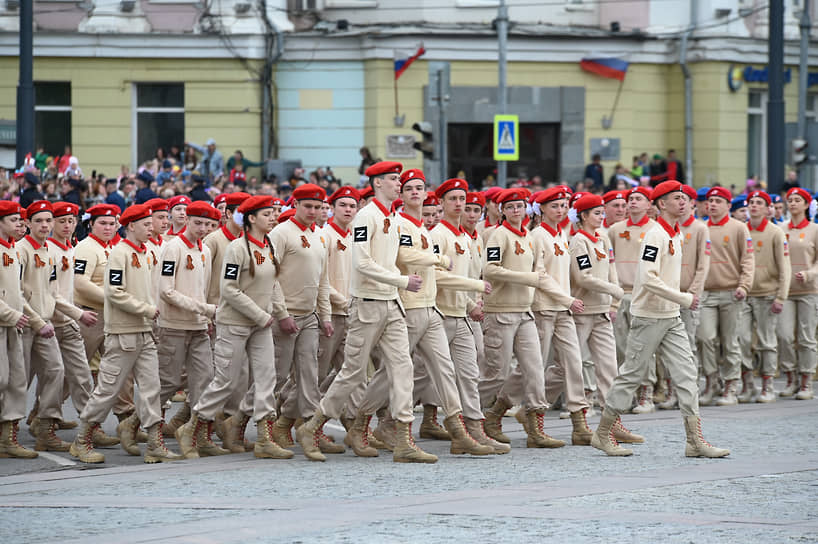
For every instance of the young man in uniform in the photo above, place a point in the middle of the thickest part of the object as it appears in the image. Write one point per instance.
(129, 347)
(178, 218)
(13, 376)
(493, 215)
(616, 208)
(728, 281)
(376, 319)
(429, 214)
(656, 327)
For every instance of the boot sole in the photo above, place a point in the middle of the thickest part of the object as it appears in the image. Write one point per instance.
(419, 461)
(469, 452)
(264, 455)
(622, 452)
(38, 447)
(153, 460)
(535, 445)
(434, 436)
(76, 455)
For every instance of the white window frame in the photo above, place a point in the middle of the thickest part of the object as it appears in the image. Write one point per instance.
(349, 4)
(136, 110)
(762, 111)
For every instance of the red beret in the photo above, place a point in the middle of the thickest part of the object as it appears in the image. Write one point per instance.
(476, 198)
(610, 196)
(554, 193)
(492, 192)
(723, 193)
(177, 200)
(101, 210)
(39, 206)
(7, 207)
(235, 199)
(762, 195)
(367, 192)
(576, 196)
(508, 195)
(412, 173)
(219, 199)
(285, 216)
(309, 191)
(664, 188)
(23, 214)
(254, 203)
(277, 201)
(134, 213)
(65, 208)
(396, 204)
(795, 190)
(451, 185)
(289, 201)
(644, 191)
(588, 201)
(157, 205)
(383, 167)
(200, 208)
(344, 192)
(431, 199)
(689, 191)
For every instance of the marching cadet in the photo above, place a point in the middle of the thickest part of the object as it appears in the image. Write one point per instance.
(302, 260)
(493, 214)
(475, 203)
(738, 209)
(695, 265)
(616, 208)
(419, 255)
(799, 318)
(250, 300)
(429, 211)
(21, 229)
(67, 316)
(176, 210)
(41, 351)
(657, 327)
(728, 281)
(184, 314)
(220, 202)
(13, 375)
(367, 194)
(161, 220)
(514, 270)
(376, 318)
(129, 347)
(455, 304)
(771, 284)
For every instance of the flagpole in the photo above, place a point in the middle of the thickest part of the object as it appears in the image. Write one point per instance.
(608, 121)
(395, 85)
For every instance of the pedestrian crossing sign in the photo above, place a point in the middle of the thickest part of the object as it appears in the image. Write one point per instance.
(506, 138)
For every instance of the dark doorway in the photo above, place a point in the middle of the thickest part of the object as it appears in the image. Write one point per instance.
(471, 151)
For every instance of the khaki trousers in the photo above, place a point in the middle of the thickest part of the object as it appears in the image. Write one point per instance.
(558, 339)
(93, 338)
(42, 359)
(77, 374)
(464, 355)
(427, 337)
(243, 383)
(13, 375)
(237, 346)
(668, 339)
(690, 319)
(719, 316)
(331, 352)
(622, 326)
(179, 351)
(796, 326)
(297, 367)
(476, 328)
(374, 323)
(507, 334)
(757, 317)
(596, 332)
(126, 355)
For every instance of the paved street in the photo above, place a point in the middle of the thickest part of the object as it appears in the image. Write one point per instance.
(765, 491)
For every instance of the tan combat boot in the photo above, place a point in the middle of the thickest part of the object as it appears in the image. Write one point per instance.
(204, 443)
(127, 431)
(188, 436)
(374, 442)
(645, 403)
(494, 421)
(805, 390)
(728, 395)
(475, 428)
(625, 436)
(181, 417)
(521, 418)
(603, 438)
(358, 437)
(233, 429)
(218, 426)
(64, 425)
(83, 445)
(327, 445)
(347, 423)
(102, 440)
(429, 427)
(462, 441)
(9, 447)
(406, 451)
(265, 447)
(748, 387)
(768, 393)
(710, 388)
(156, 451)
(309, 435)
(792, 385)
(671, 401)
(537, 437)
(47, 439)
(696, 445)
(282, 432)
(385, 431)
(581, 435)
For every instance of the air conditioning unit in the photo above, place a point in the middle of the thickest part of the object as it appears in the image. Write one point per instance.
(242, 7)
(127, 6)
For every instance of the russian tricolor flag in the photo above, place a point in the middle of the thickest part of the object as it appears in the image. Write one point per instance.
(606, 67)
(403, 62)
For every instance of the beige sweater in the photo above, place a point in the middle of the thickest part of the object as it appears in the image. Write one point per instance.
(129, 304)
(626, 238)
(593, 277)
(454, 286)
(509, 264)
(773, 271)
(731, 256)
(339, 266)
(802, 240)
(184, 276)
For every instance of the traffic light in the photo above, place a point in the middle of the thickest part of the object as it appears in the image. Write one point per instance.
(799, 152)
(426, 145)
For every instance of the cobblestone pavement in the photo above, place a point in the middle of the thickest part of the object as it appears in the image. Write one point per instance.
(765, 491)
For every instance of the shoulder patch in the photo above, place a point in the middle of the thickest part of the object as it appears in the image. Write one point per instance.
(584, 262)
(115, 277)
(436, 249)
(168, 268)
(231, 271)
(493, 254)
(53, 275)
(406, 240)
(359, 234)
(650, 253)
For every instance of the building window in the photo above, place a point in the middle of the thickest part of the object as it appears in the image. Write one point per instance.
(52, 116)
(159, 118)
(812, 106)
(757, 134)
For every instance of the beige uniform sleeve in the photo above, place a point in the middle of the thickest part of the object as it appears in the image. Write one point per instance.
(167, 284)
(8, 315)
(34, 320)
(702, 263)
(118, 295)
(585, 278)
(324, 306)
(812, 270)
(232, 293)
(782, 260)
(367, 266)
(748, 262)
(494, 270)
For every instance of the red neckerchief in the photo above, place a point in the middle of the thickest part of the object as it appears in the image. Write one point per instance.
(417, 222)
(455, 230)
(343, 233)
(472, 234)
(8, 244)
(158, 241)
(564, 223)
(262, 245)
(689, 221)
(605, 223)
(526, 221)
(721, 223)
(520, 232)
(34, 242)
(384, 209)
(549, 230)
(100, 242)
(188, 243)
(641, 222)
(761, 226)
(800, 225)
(65, 247)
(115, 240)
(487, 224)
(302, 227)
(671, 231)
(592, 237)
(141, 248)
(229, 235)
(171, 233)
